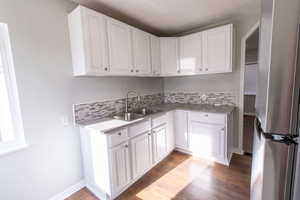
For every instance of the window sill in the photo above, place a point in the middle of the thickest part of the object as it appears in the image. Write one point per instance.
(13, 149)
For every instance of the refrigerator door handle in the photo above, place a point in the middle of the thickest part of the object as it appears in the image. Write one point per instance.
(285, 139)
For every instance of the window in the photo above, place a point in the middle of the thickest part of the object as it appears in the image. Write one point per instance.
(11, 128)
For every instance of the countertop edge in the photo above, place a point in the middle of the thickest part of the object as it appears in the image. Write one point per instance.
(168, 108)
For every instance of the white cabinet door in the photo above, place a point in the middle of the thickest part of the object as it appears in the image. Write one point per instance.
(170, 131)
(181, 129)
(120, 48)
(120, 166)
(141, 154)
(159, 143)
(88, 42)
(169, 56)
(207, 140)
(191, 54)
(141, 52)
(217, 49)
(155, 55)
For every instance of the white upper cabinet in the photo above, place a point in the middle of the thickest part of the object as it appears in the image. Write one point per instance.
(191, 54)
(217, 49)
(141, 52)
(88, 42)
(102, 46)
(120, 48)
(169, 56)
(155, 55)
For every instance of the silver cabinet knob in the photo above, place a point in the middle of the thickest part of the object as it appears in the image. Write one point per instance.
(126, 145)
(131, 70)
(200, 69)
(105, 68)
(120, 133)
(137, 70)
(206, 69)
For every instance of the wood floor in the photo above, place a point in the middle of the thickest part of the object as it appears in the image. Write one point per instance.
(183, 177)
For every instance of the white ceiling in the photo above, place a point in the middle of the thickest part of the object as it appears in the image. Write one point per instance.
(169, 17)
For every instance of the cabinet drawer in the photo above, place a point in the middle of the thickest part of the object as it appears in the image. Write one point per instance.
(117, 137)
(159, 120)
(208, 117)
(139, 128)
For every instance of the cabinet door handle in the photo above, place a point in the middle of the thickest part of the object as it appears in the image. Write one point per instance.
(137, 70)
(131, 70)
(206, 69)
(206, 115)
(105, 68)
(200, 69)
(120, 133)
(178, 71)
(126, 145)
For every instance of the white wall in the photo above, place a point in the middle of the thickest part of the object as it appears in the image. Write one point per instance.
(250, 79)
(227, 82)
(41, 50)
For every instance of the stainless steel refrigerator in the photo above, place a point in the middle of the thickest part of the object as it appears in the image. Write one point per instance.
(276, 163)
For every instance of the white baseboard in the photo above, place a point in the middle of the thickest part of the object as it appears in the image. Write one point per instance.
(238, 151)
(96, 192)
(69, 191)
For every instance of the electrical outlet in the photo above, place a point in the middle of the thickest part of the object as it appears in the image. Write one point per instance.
(65, 120)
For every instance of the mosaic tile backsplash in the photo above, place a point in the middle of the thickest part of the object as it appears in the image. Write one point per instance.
(99, 110)
(219, 98)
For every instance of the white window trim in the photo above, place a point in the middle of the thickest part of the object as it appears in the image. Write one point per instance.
(5, 50)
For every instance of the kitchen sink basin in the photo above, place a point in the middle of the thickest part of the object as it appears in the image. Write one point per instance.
(128, 116)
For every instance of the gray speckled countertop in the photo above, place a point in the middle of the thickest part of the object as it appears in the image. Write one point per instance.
(195, 107)
(109, 124)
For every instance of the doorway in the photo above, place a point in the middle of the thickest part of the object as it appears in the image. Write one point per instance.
(249, 72)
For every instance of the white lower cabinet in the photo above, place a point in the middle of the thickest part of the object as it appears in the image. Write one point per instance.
(210, 136)
(141, 154)
(206, 140)
(159, 136)
(170, 131)
(181, 129)
(115, 160)
(120, 166)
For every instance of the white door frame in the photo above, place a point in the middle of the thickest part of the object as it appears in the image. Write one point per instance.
(242, 84)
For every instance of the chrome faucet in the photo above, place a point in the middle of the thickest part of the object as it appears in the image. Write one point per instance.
(127, 95)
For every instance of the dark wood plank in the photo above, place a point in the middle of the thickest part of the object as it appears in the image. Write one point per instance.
(248, 133)
(183, 177)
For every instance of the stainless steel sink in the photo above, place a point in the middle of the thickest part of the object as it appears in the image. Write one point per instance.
(128, 116)
(148, 111)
